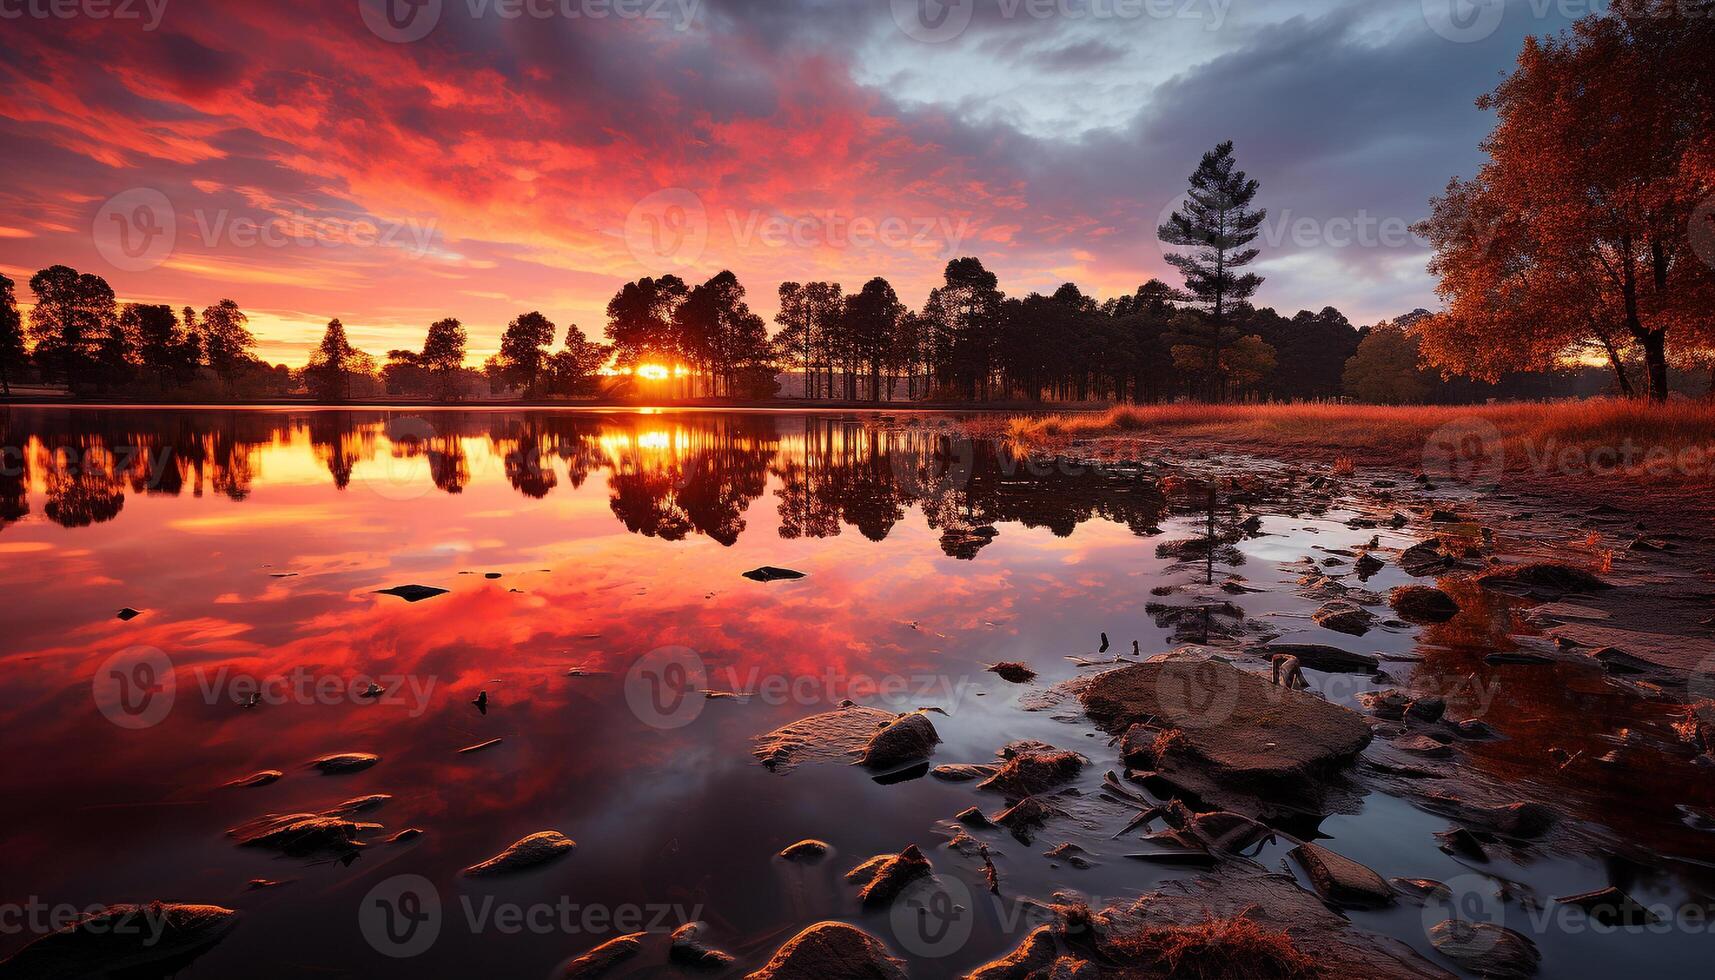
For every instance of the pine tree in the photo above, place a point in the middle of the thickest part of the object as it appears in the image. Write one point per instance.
(1216, 227)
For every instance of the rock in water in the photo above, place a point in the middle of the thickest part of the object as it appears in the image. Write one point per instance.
(1341, 880)
(537, 849)
(805, 851)
(1541, 580)
(1342, 616)
(261, 777)
(1423, 604)
(123, 940)
(1320, 656)
(1035, 770)
(1486, 950)
(686, 948)
(597, 962)
(1012, 672)
(907, 739)
(962, 772)
(771, 573)
(412, 593)
(128, 614)
(1611, 907)
(1424, 559)
(1033, 958)
(303, 835)
(838, 734)
(832, 951)
(344, 762)
(883, 877)
(1223, 729)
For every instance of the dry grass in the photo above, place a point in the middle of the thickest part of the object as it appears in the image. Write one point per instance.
(1639, 442)
(1216, 949)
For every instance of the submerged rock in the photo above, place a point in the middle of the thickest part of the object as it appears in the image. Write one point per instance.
(361, 804)
(1423, 604)
(261, 777)
(412, 593)
(598, 961)
(1026, 817)
(1343, 616)
(1611, 907)
(1487, 950)
(906, 739)
(883, 877)
(772, 573)
(1341, 880)
(529, 852)
(832, 951)
(123, 940)
(962, 772)
(1425, 558)
(344, 762)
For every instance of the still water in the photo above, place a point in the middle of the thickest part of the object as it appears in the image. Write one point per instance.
(575, 547)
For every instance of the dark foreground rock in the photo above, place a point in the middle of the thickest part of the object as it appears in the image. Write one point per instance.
(807, 851)
(537, 849)
(832, 951)
(687, 948)
(1423, 604)
(1343, 616)
(600, 961)
(1212, 729)
(342, 763)
(156, 939)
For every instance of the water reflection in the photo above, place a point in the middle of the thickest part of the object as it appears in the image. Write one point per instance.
(668, 477)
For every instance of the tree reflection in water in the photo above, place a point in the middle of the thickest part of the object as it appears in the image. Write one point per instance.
(668, 476)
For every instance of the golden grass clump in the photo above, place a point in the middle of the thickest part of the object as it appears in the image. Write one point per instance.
(1216, 949)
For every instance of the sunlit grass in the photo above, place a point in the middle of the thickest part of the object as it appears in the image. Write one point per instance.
(1613, 433)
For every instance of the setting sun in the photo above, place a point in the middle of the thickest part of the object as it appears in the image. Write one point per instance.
(653, 372)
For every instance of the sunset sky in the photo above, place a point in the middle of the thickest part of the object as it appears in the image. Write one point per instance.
(534, 154)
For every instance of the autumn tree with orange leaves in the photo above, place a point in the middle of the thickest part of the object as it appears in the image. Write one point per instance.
(1580, 233)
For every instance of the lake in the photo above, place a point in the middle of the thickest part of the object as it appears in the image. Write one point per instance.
(593, 566)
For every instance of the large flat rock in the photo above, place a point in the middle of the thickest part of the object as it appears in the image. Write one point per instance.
(1226, 725)
(1679, 653)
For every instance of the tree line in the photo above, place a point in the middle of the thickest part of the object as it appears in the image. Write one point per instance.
(1587, 235)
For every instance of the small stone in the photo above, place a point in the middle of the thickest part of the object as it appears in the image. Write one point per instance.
(1487, 950)
(807, 851)
(529, 852)
(1423, 604)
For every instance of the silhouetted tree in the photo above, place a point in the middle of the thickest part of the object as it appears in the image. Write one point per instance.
(524, 352)
(333, 364)
(575, 368)
(74, 314)
(443, 357)
(719, 334)
(1216, 227)
(12, 353)
(640, 320)
(227, 341)
(872, 319)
